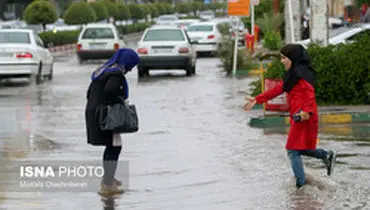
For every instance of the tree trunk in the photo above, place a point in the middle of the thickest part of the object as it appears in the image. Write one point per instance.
(2, 8)
(276, 6)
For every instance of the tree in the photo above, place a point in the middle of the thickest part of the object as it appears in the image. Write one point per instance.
(124, 12)
(40, 12)
(137, 12)
(100, 10)
(79, 13)
(112, 9)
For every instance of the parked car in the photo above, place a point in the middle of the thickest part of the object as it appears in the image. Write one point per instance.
(166, 20)
(207, 15)
(59, 25)
(230, 23)
(343, 35)
(166, 47)
(185, 23)
(207, 36)
(23, 54)
(98, 41)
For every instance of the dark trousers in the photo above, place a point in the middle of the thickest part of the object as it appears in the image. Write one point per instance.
(110, 160)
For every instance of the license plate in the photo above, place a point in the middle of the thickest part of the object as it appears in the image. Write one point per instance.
(162, 50)
(96, 47)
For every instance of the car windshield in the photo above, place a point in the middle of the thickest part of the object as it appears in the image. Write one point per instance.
(168, 18)
(164, 35)
(98, 33)
(206, 13)
(14, 37)
(200, 28)
(184, 23)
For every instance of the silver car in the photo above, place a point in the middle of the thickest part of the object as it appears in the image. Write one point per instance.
(23, 54)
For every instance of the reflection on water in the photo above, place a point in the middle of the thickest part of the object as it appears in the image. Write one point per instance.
(194, 149)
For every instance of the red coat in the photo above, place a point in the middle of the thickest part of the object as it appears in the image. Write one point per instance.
(302, 135)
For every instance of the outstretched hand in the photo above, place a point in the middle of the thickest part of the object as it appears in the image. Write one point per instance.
(251, 101)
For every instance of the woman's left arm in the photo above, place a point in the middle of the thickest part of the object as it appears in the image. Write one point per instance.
(308, 101)
(112, 86)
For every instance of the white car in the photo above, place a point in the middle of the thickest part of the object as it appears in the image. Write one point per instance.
(23, 54)
(98, 41)
(343, 35)
(185, 23)
(207, 15)
(207, 36)
(166, 20)
(165, 47)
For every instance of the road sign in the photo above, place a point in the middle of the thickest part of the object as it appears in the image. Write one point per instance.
(238, 7)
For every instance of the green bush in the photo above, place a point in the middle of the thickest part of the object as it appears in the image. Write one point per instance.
(60, 37)
(272, 40)
(182, 8)
(195, 6)
(124, 12)
(133, 28)
(113, 10)
(153, 10)
(342, 73)
(137, 12)
(100, 10)
(40, 12)
(79, 13)
(160, 8)
(226, 54)
(169, 8)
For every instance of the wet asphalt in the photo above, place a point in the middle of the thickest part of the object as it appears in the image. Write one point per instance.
(194, 149)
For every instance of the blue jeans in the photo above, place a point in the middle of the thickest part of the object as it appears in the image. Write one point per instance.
(297, 165)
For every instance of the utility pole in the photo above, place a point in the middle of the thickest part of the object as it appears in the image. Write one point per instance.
(319, 27)
(293, 21)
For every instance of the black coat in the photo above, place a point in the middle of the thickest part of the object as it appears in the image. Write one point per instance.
(106, 89)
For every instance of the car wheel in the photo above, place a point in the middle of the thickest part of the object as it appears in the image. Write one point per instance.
(50, 75)
(39, 74)
(194, 69)
(141, 72)
(81, 60)
(189, 71)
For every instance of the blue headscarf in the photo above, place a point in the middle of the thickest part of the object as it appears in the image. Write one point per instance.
(125, 59)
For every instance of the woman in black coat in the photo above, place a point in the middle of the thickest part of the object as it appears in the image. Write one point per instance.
(108, 86)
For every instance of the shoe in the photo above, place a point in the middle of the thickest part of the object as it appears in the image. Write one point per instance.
(115, 182)
(330, 162)
(110, 190)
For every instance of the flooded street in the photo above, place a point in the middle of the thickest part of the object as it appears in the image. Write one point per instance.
(194, 150)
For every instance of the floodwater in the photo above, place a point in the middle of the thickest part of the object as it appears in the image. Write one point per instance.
(194, 149)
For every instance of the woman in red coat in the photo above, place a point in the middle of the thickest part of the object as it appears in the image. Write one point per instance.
(299, 85)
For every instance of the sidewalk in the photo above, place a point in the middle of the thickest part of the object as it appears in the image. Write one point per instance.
(327, 115)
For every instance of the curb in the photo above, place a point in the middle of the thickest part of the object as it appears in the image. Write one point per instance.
(63, 49)
(324, 119)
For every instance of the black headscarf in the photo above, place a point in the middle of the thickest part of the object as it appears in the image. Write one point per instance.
(301, 66)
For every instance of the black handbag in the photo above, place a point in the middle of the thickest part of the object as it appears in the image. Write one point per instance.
(118, 117)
